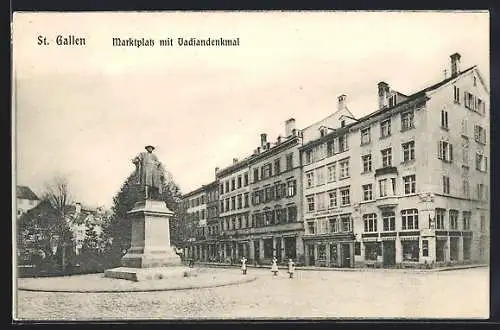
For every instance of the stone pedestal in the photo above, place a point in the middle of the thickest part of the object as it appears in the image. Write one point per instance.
(150, 253)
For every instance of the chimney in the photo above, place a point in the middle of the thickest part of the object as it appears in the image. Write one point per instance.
(263, 140)
(455, 64)
(341, 102)
(217, 170)
(278, 140)
(383, 93)
(235, 160)
(289, 127)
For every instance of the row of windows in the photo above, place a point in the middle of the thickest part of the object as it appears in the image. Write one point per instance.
(274, 192)
(407, 122)
(470, 101)
(334, 224)
(237, 202)
(233, 184)
(266, 217)
(324, 200)
(453, 220)
(272, 168)
(334, 146)
(317, 177)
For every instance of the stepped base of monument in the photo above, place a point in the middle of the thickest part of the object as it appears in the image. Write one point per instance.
(137, 259)
(147, 274)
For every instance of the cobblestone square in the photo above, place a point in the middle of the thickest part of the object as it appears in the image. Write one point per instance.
(312, 294)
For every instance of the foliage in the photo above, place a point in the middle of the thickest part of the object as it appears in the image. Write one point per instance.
(119, 228)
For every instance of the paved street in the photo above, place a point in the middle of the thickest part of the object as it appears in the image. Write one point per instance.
(313, 294)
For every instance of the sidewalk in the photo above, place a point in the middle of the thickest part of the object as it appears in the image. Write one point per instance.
(358, 269)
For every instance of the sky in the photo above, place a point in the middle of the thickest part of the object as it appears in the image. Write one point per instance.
(84, 112)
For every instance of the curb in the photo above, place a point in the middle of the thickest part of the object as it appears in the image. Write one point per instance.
(178, 288)
(359, 269)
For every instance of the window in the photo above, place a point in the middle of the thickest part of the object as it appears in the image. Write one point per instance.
(343, 143)
(292, 188)
(331, 172)
(393, 99)
(385, 128)
(320, 176)
(332, 195)
(465, 152)
(310, 203)
(440, 213)
(319, 152)
(227, 204)
(456, 94)
(310, 227)
(474, 103)
(277, 169)
(310, 179)
(308, 156)
(233, 203)
(409, 219)
(239, 181)
(342, 123)
(346, 223)
(387, 187)
(233, 184)
(446, 184)
(344, 168)
(367, 192)
(386, 157)
(289, 162)
(323, 131)
(389, 221)
(407, 121)
(371, 250)
(370, 222)
(453, 220)
(240, 201)
(410, 184)
(292, 213)
(408, 151)
(367, 163)
(479, 134)
(334, 224)
(445, 152)
(255, 175)
(345, 198)
(444, 119)
(481, 192)
(365, 135)
(266, 171)
(466, 215)
(320, 199)
(466, 188)
(411, 250)
(463, 127)
(221, 206)
(482, 222)
(330, 148)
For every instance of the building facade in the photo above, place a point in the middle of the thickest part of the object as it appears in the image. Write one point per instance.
(404, 186)
(195, 210)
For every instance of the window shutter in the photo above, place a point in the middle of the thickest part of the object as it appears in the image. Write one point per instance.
(485, 163)
(451, 152)
(440, 150)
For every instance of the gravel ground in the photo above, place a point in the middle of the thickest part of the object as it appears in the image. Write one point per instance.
(312, 294)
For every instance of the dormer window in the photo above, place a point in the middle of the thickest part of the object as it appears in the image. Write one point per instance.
(342, 123)
(392, 100)
(323, 131)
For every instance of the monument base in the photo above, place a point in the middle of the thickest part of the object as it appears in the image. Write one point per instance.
(146, 274)
(136, 258)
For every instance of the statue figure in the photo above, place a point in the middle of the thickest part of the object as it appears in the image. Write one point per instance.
(150, 173)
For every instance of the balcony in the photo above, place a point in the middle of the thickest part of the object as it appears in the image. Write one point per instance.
(387, 202)
(386, 170)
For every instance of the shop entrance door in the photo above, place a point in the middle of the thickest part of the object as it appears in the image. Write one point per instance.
(346, 255)
(389, 255)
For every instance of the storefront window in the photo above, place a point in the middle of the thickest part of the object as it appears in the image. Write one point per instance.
(268, 248)
(333, 254)
(410, 250)
(321, 252)
(371, 250)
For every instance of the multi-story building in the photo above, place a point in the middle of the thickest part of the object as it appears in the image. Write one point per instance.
(213, 231)
(195, 208)
(234, 208)
(26, 199)
(327, 189)
(403, 185)
(276, 183)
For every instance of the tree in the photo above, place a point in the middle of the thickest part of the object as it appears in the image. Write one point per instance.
(119, 227)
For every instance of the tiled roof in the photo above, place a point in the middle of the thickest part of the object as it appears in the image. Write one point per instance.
(24, 192)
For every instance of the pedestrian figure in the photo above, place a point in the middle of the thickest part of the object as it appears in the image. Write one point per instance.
(291, 268)
(244, 265)
(191, 263)
(274, 267)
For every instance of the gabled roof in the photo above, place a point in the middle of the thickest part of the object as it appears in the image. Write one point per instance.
(24, 192)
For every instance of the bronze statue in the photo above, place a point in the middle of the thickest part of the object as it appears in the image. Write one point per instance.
(150, 173)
